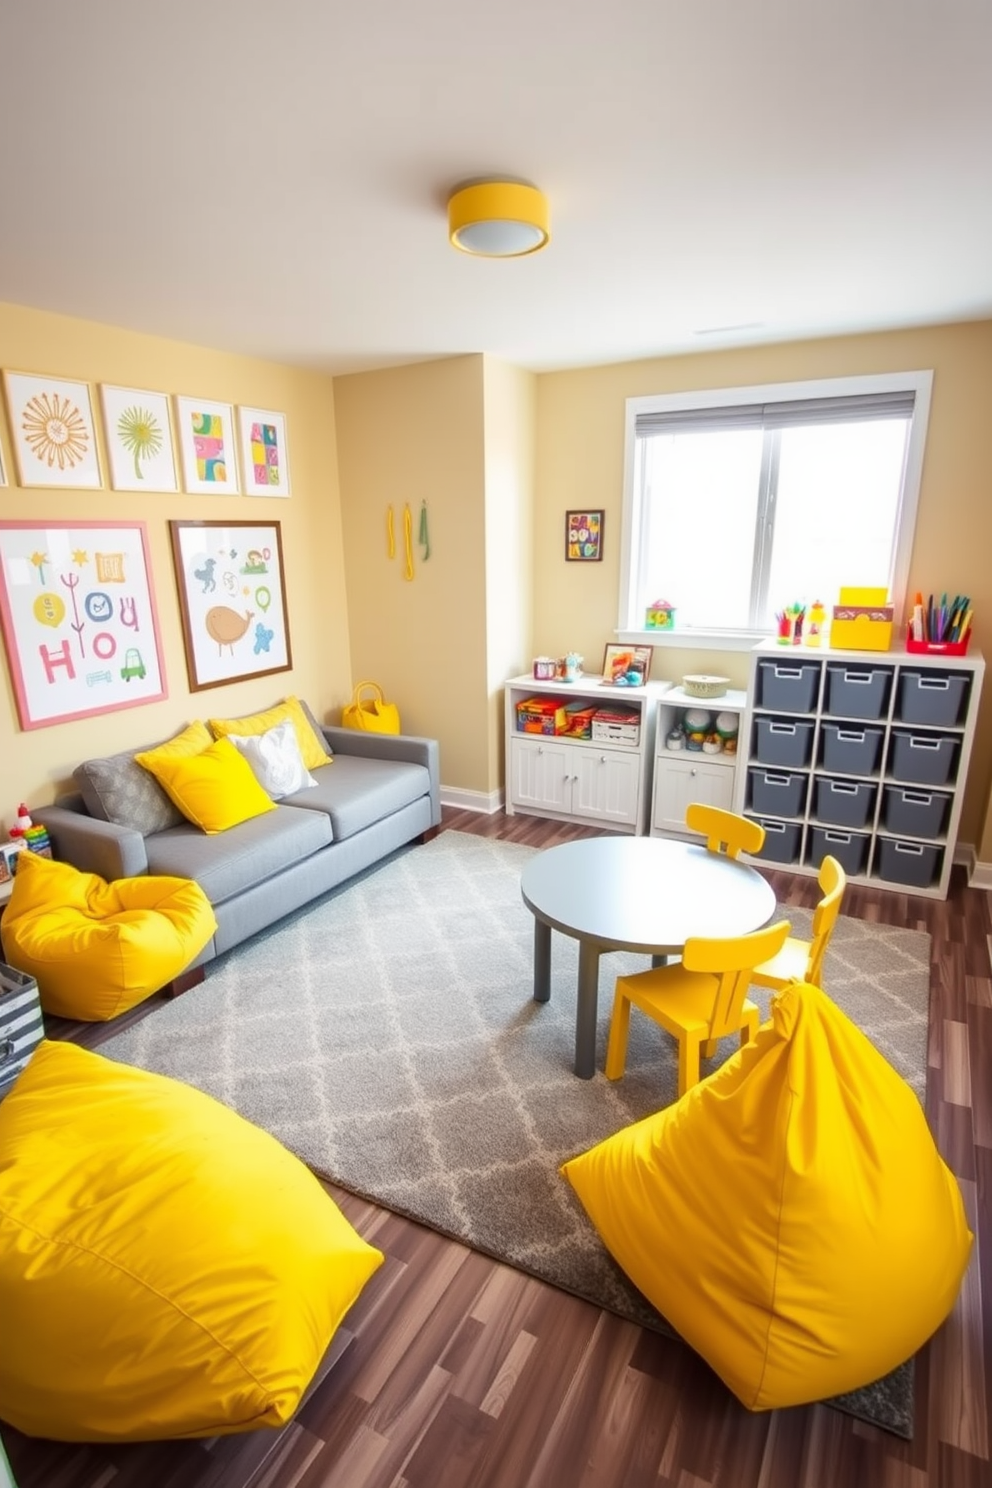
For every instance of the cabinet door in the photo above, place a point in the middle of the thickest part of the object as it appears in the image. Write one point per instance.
(681, 780)
(605, 784)
(540, 774)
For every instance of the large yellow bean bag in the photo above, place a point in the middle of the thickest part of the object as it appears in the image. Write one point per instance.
(96, 948)
(790, 1216)
(166, 1268)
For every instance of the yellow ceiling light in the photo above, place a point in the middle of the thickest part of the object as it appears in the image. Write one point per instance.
(498, 219)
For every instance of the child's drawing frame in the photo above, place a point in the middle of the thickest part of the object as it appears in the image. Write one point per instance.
(210, 462)
(217, 567)
(77, 605)
(137, 427)
(53, 431)
(265, 458)
(583, 536)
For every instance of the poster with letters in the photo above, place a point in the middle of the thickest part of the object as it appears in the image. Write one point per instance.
(78, 616)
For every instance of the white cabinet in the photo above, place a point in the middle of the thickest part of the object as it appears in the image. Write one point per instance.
(581, 779)
(863, 755)
(683, 776)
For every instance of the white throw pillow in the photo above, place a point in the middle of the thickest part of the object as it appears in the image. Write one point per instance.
(275, 759)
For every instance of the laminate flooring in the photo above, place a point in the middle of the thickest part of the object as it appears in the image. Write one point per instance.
(463, 1373)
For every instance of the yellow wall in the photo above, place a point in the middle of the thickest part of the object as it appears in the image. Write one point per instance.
(38, 762)
(407, 435)
(580, 432)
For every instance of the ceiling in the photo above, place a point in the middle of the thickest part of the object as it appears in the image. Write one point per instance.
(273, 179)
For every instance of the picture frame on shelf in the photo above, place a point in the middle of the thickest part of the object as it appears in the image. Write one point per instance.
(264, 452)
(232, 600)
(583, 536)
(137, 427)
(207, 443)
(79, 619)
(623, 661)
(52, 431)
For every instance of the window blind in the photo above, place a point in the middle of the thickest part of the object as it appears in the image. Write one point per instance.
(799, 412)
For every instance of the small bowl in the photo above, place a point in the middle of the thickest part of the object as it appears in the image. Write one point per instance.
(699, 684)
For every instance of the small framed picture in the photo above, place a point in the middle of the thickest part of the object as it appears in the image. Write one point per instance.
(264, 452)
(583, 536)
(139, 439)
(632, 663)
(207, 440)
(51, 424)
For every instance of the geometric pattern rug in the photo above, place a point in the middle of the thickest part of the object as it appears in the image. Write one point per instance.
(387, 1035)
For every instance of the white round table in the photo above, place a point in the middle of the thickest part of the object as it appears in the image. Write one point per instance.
(647, 894)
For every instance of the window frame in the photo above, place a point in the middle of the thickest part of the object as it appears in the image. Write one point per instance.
(919, 382)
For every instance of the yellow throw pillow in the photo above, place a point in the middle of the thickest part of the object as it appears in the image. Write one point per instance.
(166, 1268)
(193, 740)
(311, 748)
(97, 948)
(215, 789)
(791, 1216)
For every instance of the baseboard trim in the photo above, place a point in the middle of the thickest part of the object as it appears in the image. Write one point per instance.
(463, 800)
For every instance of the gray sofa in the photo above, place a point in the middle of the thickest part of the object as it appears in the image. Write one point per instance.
(381, 791)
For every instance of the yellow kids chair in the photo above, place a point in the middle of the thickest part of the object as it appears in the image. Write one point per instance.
(802, 960)
(698, 1000)
(725, 831)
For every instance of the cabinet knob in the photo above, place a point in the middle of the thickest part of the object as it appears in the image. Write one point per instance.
(602, 759)
(693, 770)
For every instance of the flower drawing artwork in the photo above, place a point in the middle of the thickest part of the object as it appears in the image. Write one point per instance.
(54, 437)
(140, 433)
(55, 431)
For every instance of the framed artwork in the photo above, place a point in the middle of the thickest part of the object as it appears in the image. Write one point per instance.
(51, 425)
(264, 452)
(583, 536)
(138, 432)
(79, 619)
(626, 661)
(232, 600)
(206, 442)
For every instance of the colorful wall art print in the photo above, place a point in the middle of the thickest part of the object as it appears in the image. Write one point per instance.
(51, 424)
(206, 439)
(138, 432)
(264, 454)
(583, 536)
(232, 599)
(79, 620)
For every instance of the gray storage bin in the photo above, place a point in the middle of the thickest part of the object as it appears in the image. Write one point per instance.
(845, 803)
(916, 864)
(858, 691)
(914, 813)
(925, 759)
(777, 792)
(783, 741)
(790, 686)
(21, 1026)
(851, 750)
(932, 697)
(782, 841)
(849, 848)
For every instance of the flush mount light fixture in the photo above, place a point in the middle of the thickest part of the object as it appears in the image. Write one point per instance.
(498, 219)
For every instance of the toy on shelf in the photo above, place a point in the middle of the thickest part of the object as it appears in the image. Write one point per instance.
(22, 822)
(660, 615)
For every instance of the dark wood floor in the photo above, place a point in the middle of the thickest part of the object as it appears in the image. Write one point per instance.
(466, 1374)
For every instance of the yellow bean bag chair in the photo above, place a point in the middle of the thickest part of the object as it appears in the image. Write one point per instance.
(166, 1268)
(790, 1216)
(96, 948)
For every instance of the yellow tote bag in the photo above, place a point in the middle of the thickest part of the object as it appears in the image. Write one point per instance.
(372, 715)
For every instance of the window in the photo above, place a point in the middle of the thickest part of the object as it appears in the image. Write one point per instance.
(741, 501)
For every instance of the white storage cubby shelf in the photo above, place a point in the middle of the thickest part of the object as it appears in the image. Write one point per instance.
(683, 776)
(599, 783)
(861, 754)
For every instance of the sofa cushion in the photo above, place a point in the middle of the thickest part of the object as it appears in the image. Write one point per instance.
(236, 860)
(215, 789)
(312, 746)
(117, 789)
(275, 759)
(356, 792)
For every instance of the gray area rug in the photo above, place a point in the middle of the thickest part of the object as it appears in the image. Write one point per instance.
(387, 1035)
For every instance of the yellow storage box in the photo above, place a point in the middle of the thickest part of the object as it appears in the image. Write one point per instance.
(862, 621)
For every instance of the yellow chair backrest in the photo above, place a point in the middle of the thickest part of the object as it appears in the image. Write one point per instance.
(725, 831)
(833, 881)
(733, 961)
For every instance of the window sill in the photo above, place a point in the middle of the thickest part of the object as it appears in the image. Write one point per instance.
(694, 640)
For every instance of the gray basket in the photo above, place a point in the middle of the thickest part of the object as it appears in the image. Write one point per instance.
(849, 848)
(777, 792)
(782, 841)
(21, 1026)
(916, 864)
(858, 692)
(850, 750)
(789, 686)
(783, 741)
(914, 813)
(932, 697)
(924, 759)
(844, 803)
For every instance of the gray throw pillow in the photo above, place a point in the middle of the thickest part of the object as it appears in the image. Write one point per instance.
(117, 790)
